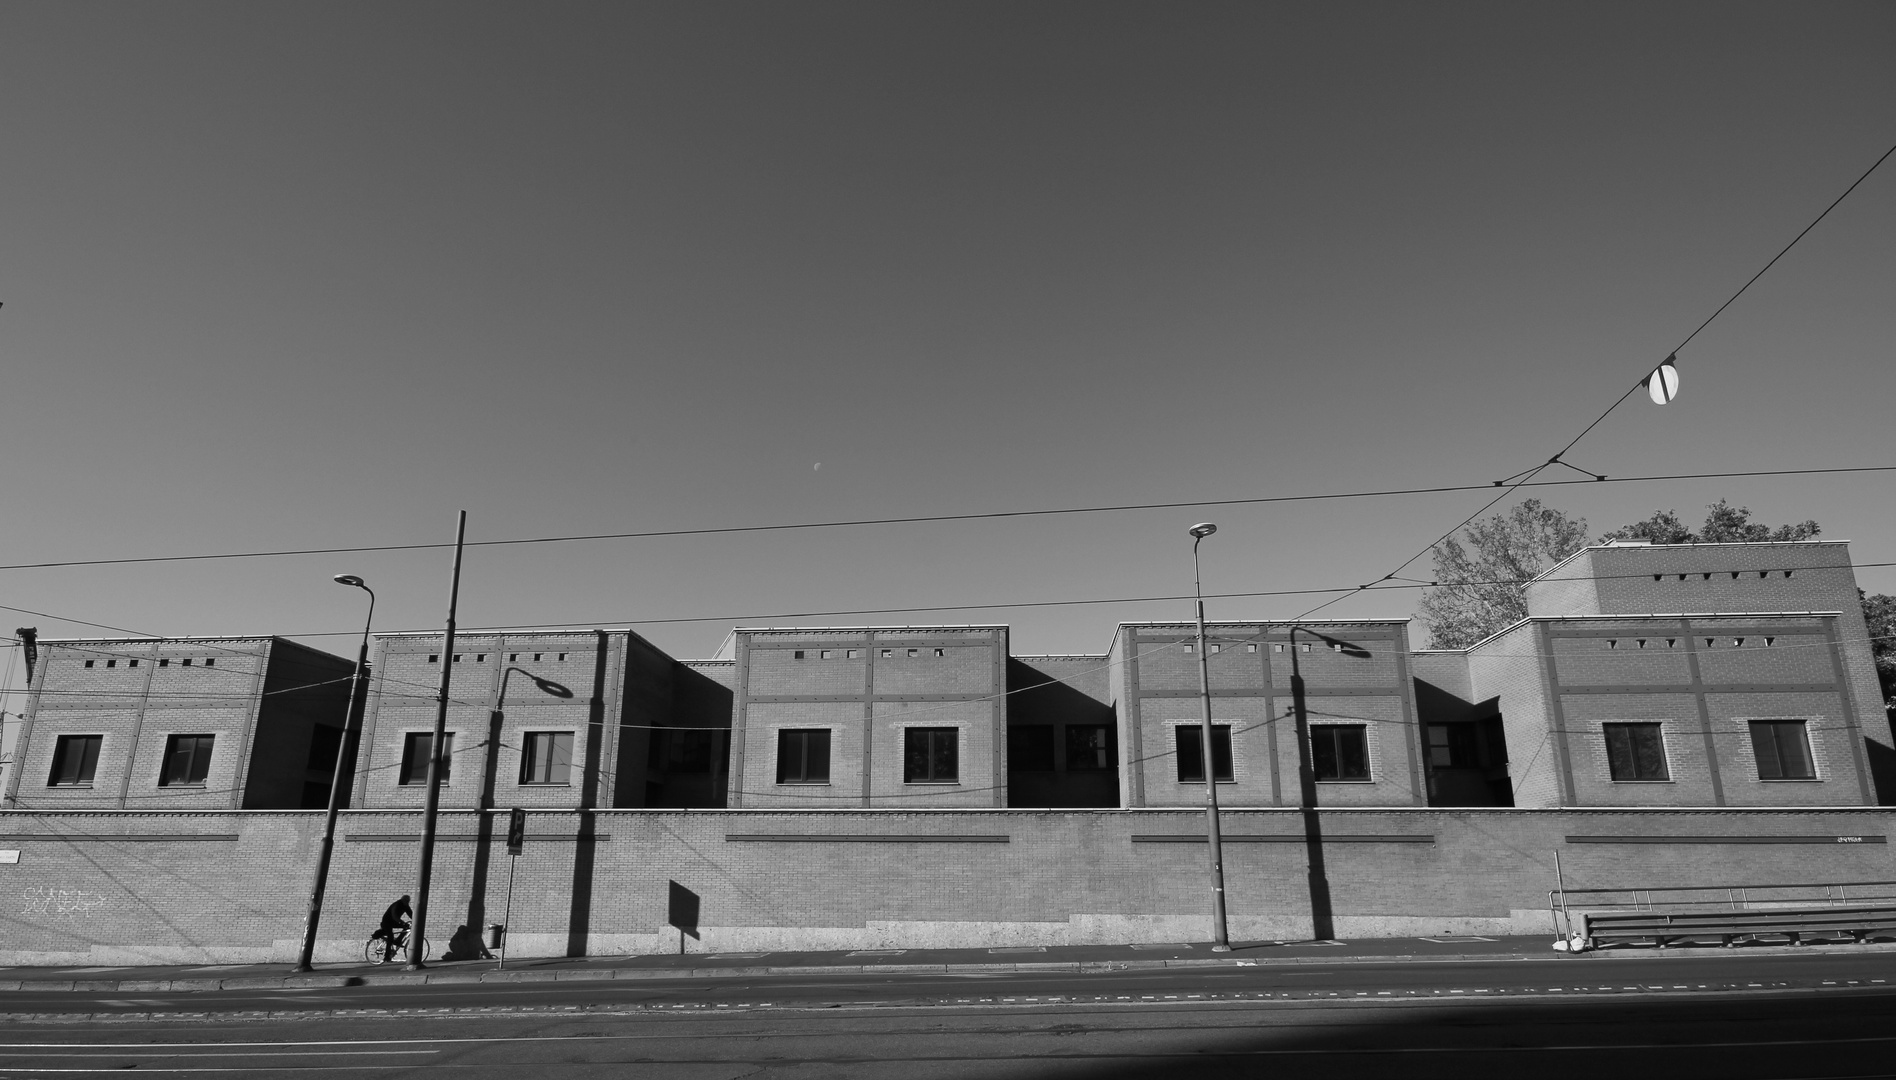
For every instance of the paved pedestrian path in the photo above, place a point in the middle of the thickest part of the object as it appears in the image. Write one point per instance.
(752, 963)
(694, 965)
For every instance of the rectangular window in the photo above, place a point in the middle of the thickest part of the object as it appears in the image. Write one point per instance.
(803, 756)
(74, 759)
(931, 755)
(546, 757)
(1453, 746)
(1783, 749)
(187, 760)
(1030, 748)
(1190, 742)
(1635, 752)
(688, 751)
(1339, 751)
(1089, 747)
(416, 746)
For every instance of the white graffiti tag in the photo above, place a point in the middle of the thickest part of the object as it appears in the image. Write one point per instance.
(67, 904)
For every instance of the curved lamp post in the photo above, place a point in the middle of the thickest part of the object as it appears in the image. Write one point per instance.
(346, 748)
(1220, 939)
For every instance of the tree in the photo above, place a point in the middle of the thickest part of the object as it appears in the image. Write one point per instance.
(1879, 611)
(1481, 581)
(1724, 523)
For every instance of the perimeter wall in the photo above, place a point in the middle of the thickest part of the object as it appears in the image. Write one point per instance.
(111, 887)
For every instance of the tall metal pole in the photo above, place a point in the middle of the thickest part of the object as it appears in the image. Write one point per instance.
(1220, 939)
(347, 749)
(435, 759)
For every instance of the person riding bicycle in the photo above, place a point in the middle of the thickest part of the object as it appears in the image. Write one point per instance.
(395, 918)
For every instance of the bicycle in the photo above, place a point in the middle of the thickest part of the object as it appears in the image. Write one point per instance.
(376, 950)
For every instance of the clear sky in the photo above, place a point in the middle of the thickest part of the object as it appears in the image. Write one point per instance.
(322, 274)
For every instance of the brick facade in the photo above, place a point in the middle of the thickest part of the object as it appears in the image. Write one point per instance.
(260, 701)
(117, 887)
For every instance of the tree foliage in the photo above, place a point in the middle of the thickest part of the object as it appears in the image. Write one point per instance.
(1724, 524)
(1879, 611)
(1482, 572)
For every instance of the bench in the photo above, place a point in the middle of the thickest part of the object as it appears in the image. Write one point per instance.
(1856, 922)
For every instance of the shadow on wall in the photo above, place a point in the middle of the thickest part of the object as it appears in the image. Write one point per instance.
(681, 911)
(1882, 762)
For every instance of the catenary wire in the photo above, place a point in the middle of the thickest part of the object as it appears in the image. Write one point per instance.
(931, 518)
(1524, 479)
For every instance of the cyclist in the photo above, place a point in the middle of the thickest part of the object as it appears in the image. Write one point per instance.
(397, 917)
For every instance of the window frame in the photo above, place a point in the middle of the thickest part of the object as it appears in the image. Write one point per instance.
(88, 761)
(413, 773)
(1335, 733)
(197, 768)
(931, 755)
(1633, 728)
(529, 763)
(1220, 747)
(803, 741)
(1776, 726)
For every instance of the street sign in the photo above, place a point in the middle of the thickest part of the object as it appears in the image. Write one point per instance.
(516, 830)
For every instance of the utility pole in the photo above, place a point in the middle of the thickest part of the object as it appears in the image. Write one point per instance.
(435, 761)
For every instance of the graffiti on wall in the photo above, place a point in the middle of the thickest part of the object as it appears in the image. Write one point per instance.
(68, 905)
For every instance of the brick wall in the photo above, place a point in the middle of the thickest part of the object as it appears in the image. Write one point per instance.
(1249, 666)
(113, 887)
(258, 698)
(867, 688)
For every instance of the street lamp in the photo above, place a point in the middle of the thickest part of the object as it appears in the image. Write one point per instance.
(1220, 940)
(346, 750)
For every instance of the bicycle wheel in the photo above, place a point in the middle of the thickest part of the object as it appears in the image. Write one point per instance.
(374, 952)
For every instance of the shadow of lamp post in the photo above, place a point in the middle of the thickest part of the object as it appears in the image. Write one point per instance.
(1322, 914)
(1220, 939)
(484, 830)
(346, 751)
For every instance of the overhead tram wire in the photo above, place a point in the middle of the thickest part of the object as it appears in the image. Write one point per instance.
(1524, 479)
(923, 519)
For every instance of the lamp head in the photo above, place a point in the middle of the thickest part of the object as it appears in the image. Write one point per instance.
(1203, 529)
(350, 579)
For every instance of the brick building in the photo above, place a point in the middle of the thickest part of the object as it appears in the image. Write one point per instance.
(1665, 716)
(1701, 675)
(1705, 675)
(222, 723)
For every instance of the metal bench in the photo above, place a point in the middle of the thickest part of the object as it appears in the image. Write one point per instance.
(1855, 922)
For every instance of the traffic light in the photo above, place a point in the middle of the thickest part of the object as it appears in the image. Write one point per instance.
(516, 830)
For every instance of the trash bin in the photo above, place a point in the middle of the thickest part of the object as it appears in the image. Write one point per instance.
(494, 933)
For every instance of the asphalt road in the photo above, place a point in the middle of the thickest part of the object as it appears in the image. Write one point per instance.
(1830, 1014)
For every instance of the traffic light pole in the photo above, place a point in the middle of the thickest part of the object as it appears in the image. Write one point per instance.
(516, 841)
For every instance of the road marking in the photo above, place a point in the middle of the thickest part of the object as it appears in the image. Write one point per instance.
(246, 1054)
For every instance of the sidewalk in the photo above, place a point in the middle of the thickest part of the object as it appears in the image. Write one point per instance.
(1047, 959)
(696, 965)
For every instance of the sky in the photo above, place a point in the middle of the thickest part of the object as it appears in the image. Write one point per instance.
(289, 276)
